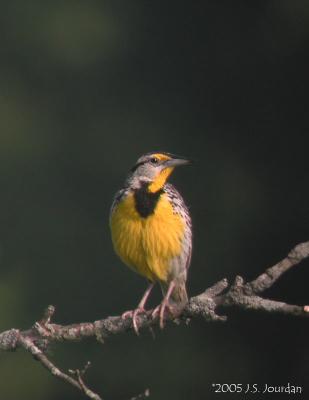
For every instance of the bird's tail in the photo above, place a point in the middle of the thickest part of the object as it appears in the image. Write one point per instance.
(179, 297)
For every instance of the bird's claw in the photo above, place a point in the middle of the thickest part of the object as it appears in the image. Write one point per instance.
(160, 311)
(134, 315)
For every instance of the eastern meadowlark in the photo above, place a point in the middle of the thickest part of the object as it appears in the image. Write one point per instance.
(151, 232)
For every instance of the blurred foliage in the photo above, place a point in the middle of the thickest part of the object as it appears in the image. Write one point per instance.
(86, 87)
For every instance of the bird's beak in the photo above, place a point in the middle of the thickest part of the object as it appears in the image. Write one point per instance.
(176, 162)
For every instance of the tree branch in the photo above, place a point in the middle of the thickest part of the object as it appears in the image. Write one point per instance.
(240, 294)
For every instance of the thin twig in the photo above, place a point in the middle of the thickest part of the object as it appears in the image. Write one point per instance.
(28, 344)
(142, 396)
(85, 389)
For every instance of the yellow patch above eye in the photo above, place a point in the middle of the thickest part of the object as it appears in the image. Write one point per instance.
(161, 157)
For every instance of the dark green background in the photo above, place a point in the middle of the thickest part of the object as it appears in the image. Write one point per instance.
(86, 88)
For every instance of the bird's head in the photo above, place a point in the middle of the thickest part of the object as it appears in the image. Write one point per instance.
(154, 169)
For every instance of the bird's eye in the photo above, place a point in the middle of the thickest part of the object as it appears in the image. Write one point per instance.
(154, 160)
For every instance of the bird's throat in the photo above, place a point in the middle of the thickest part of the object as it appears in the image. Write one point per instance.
(146, 201)
(160, 180)
(147, 196)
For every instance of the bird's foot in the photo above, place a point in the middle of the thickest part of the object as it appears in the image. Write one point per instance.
(162, 311)
(134, 315)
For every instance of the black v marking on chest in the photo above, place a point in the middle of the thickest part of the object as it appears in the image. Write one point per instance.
(145, 201)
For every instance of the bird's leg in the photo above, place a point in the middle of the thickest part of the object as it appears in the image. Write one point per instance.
(139, 309)
(160, 309)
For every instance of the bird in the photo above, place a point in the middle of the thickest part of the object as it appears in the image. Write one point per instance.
(151, 232)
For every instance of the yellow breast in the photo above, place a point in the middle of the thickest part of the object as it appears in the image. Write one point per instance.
(147, 244)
